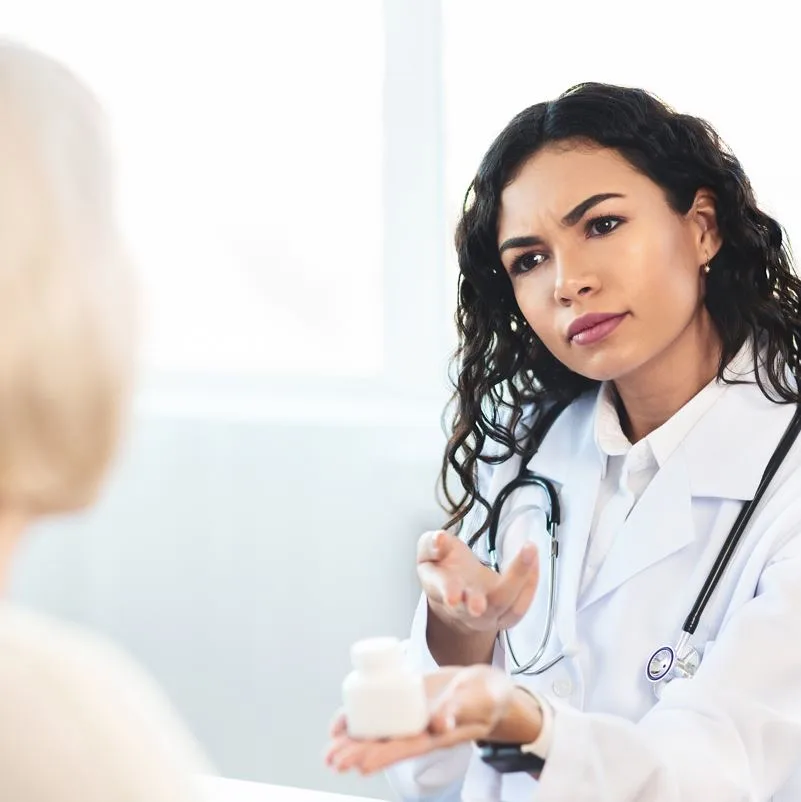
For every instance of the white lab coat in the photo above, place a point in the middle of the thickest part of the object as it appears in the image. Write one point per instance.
(730, 734)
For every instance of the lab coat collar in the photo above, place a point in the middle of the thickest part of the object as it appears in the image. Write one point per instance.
(723, 456)
(571, 438)
(727, 451)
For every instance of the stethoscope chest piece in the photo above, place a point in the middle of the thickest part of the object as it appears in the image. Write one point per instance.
(660, 663)
(667, 663)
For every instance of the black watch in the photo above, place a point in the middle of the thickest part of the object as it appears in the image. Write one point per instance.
(509, 758)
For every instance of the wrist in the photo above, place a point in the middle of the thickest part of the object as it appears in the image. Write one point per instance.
(522, 720)
(451, 643)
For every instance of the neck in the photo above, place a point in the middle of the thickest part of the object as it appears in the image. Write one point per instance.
(654, 393)
(12, 525)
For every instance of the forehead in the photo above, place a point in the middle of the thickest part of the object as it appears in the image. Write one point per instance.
(559, 177)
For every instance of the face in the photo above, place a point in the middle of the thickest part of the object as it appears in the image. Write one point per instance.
(607, 275)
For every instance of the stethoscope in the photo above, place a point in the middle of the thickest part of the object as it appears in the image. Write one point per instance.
(667, 662)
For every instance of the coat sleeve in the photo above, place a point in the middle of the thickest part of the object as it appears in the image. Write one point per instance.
(732, 733)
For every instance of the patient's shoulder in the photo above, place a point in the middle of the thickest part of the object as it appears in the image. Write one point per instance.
(80, 717)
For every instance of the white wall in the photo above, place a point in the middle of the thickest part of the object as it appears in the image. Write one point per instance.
(238, 559)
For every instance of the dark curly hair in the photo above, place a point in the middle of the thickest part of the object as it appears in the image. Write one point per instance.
(502, 367)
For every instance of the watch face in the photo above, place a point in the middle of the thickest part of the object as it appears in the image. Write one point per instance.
(507, 758)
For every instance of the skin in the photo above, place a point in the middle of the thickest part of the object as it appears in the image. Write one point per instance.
(580, 231)
(13, 524)
(633, 256)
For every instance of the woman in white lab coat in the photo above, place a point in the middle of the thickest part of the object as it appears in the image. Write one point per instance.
(614, 262)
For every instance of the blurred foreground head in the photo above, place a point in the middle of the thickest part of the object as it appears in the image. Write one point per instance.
(66, 295)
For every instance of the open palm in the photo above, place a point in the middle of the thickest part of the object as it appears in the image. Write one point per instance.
(466, 705)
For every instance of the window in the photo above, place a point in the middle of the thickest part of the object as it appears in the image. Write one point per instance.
(249, 141)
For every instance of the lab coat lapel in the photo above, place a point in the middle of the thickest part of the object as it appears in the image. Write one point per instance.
(659, 525)
(570, 457)
(578, 505)
(720, 458)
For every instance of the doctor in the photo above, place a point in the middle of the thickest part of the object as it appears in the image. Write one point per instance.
(630, 327)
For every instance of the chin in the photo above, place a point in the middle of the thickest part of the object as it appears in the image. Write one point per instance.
(601, 367)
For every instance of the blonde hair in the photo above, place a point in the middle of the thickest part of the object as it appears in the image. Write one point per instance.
(66, 306)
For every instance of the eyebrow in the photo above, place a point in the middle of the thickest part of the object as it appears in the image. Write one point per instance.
(569, 220)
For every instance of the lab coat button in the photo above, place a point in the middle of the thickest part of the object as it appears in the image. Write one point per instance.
(562, 687)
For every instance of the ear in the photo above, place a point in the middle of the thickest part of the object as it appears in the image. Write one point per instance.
(704, 218)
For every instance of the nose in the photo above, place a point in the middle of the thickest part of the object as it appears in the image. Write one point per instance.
(574, 280)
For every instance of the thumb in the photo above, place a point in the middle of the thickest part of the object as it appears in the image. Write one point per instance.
(446, 705)
(339, 725)
(442, 721)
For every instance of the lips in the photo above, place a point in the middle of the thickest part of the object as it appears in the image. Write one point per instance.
(587, 326)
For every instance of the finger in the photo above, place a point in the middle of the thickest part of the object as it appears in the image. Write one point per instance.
(441, 586)
(475, 603)
(383, 755)
(451, 703)
(379, 755)
(434, 546)
(335, 748)
(476, 695)
(520, 605)
(350, 755)
(523, 573)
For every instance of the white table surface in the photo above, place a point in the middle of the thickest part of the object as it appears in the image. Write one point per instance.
(221, 790)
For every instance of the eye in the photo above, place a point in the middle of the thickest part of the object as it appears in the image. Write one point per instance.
(526, 262)
(601, 226)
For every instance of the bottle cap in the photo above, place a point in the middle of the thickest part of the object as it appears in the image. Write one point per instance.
(377, 654)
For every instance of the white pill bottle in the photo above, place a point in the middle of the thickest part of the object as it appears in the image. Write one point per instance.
(382, 697)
